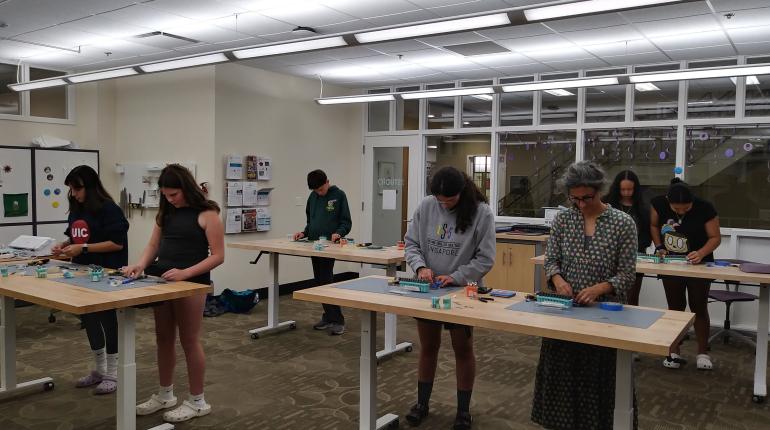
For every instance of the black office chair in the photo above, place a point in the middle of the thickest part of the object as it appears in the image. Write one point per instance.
(728, 297)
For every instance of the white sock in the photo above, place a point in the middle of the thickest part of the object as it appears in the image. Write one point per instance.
(166, 393)
(112, 365)
(100, 356)
(198, 400)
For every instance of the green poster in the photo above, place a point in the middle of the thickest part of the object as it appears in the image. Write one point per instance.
(15, 205)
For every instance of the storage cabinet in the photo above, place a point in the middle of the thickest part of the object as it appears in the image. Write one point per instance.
(513, 269)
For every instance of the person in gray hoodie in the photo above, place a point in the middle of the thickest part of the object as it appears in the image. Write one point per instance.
(451, 239)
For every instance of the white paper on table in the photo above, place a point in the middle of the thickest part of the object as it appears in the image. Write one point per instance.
(388, 200)
(249, 193)
(264, 220)
(263, 196)
(234, 167)
(233, 221)
(234, 193)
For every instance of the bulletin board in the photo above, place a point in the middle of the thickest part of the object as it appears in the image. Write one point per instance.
(51, 167)
(16, 185)
(140, 180)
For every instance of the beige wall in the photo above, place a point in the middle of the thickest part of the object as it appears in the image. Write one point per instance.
(264, 113)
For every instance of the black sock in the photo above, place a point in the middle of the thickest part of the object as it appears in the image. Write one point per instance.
(423, 392)
(464, 401)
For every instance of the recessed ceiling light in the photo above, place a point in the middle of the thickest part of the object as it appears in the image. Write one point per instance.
(184, 62)
(586, 7)
(646, 86)
(559, 92)
(97, 76)
(355, 99)
(37, 85)
(285, 48)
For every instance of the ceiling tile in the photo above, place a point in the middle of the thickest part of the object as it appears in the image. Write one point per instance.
(59, 60)
(526, 69)
(760, 48)
(701, 53)
(63, 37)
(621, 48)
(692, 40)
(590, 22)
(303, 58)
(351, 52)
(474, 74)
(362, 9)
(13, 50)
(563, 54)
(402, 18)
(501, 60)
(645, 58)
(397, 47)
(252, 23)
(750, 35)
(144, 16)
(735, 5)
(748, 18)
(344, 27)
(309, 16)
(666, 12)
(103, 26)
(515, 31)
(119, 46)
(438, 3)
(200, 10)
(24, 16)
(453, 39)
(470, 7)
(679, 26)
(572, 65)
(537, 43)
(206, 33)
(604, 35)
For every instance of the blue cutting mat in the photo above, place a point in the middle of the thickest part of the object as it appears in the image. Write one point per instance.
(629, 317)
(30, 270)
(378, 285)
(104, 286)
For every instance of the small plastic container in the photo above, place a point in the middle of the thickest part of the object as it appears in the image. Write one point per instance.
(400, 244)
(67, 274)
(343, 241)
(96, 275)
(471, 291)
(318, 246)
(323, 240)
(4, 272)
(447, 302)
(434, 303)
(42, 272)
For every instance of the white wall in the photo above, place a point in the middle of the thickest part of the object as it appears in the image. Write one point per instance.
(264, 113)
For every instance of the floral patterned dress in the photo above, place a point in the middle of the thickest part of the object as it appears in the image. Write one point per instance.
(575, 383)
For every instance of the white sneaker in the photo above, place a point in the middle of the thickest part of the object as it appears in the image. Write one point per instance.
(186, 411)
(674, 361)
(704, 362)
(154, 404)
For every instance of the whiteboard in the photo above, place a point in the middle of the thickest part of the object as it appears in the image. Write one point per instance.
(15, 180)
(51, 167)
(8, 234)
(55, 231)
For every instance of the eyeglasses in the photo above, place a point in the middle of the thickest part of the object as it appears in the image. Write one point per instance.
(584, 199)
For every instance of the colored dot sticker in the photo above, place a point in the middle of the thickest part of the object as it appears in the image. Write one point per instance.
(729, 152)
(704, 136)
(55, 204)
(748, 146)
(662, 155)
(57, 191)
(678, 170)
(46, 192)
(49, 177)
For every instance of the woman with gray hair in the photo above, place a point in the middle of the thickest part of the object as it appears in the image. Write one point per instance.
(591, 256)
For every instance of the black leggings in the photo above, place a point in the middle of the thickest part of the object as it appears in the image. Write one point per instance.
(323, 272)
(102, 330)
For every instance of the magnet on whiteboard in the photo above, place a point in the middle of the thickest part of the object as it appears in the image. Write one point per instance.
(55, 204)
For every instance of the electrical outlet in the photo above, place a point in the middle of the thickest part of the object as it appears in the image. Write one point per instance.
(299, 201)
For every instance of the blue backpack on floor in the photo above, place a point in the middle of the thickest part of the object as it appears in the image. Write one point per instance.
(239, 301)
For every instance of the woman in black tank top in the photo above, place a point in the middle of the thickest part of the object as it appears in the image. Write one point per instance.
(186, 243)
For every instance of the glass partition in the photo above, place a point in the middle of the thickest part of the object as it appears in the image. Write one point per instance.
(469, 153)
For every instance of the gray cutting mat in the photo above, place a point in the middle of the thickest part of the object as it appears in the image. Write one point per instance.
(81, 280)
(378, 285)
(629, 317)
(30, 270)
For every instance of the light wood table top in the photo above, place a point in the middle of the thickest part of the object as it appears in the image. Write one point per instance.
(79, 300)
(693, 271)
(657, 339)
(386, 255)
(522, 237)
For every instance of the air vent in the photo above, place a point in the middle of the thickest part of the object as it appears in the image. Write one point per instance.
(477, 48)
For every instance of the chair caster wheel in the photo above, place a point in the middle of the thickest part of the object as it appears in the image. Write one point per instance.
(758, 399)
(408, 349)
(51, 319)
(293, 326)
(48, 386)
(254, 336)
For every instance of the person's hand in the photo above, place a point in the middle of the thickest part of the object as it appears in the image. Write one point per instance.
(425, 274)
(445, 280)
(586, 296)
(132, 271)
(694, 257)
(176, 275)
(299, 235)
(71, 250)
(661, 252)
(56, 249)
(336, 237)
(563, 287)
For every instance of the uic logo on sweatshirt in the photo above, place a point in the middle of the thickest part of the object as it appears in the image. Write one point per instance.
(80, 232)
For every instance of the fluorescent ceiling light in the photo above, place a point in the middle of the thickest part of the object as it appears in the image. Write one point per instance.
(466, 123)
(750, 80)
(559, 92)
(356, 99)
(432, 146)
(96, 76)
(485, 97)
(284, 48)
(453, 25)
(430, 115)
(701, 74)
(705, 102)
(37, 85)
(184, 62)
(553, 85)
(447, 93)
(646, 86)
(586, 7)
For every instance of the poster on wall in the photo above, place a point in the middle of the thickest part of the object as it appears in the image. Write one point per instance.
(249, 220)
(234, 168)
(251, 167)
(264, 220)
(264, 168)
(249, 193)
(234, 191)
(233, 221)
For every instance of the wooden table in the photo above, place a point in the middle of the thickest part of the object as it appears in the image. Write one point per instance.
(79, 300)
(657, 339)
(726, 274)
(390, 257)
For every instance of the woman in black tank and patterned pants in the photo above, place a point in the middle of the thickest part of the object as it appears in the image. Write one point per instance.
(186, 244)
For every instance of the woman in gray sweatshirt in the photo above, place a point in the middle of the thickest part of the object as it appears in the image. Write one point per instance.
(451, 239)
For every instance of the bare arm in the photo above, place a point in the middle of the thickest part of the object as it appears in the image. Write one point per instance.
(655, 227)
(211, 223)
(714, 239)
(148, 255)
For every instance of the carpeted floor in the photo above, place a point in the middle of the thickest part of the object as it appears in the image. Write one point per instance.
(306, 380)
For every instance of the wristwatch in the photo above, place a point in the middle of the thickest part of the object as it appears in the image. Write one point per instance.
(84, 248)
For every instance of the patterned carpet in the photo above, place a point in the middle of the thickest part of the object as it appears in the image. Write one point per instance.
(307, 380)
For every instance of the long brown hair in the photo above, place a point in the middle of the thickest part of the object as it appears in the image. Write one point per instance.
(96, 196)
(449, 182)
(177, 176)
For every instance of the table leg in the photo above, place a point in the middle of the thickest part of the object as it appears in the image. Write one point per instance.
(760, 362)
(391, 328)
(539, 250)
(624, 391)
(8, 385)
(368, 377)
(272, 304)
(126, 416)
